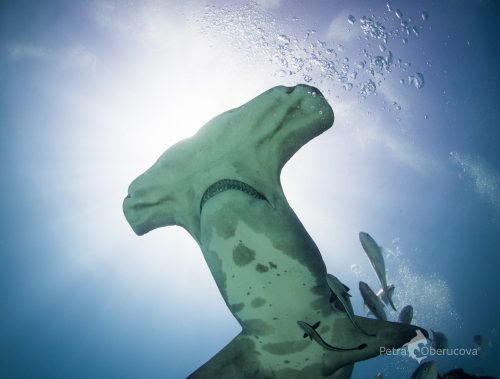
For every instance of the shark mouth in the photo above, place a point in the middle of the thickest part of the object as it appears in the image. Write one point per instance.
(226, 185)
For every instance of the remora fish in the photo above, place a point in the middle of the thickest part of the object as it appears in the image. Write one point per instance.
(406, 315)
(339, 290)
(310, 331)
(427, 370)
(372, 301)
(374, 253)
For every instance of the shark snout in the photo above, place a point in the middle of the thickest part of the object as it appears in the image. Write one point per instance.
(147, 206)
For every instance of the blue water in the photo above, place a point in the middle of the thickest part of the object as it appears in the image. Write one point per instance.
(91, 93)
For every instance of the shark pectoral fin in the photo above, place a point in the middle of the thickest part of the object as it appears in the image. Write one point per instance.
(327, 369)
(315, 326)
(306, 335)
(388, 335)
(233, 361)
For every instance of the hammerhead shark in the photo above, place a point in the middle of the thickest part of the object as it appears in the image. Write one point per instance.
(223, 186)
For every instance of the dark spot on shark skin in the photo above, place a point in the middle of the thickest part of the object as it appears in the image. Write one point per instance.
(317, 304)
(261, 268)
(213, 261)
(258, 302)
(272, 265)
(242, 255)
(237, 307)
(287, 347)
(227, 222)
(299, 249)
(257, 327)
(318, 290)
(321, 306)
(286, 361)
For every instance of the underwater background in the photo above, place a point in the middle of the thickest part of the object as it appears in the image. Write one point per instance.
(92, 92)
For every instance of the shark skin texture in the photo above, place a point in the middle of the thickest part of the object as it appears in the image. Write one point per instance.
(223, 186)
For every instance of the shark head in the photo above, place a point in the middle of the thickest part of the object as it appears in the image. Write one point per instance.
(249, 144)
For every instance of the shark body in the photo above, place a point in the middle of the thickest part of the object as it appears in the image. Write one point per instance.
(223, 187)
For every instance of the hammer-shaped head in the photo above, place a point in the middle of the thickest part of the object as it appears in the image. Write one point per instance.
(249, 144)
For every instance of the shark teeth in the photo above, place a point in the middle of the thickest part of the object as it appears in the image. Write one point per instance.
(226, 185)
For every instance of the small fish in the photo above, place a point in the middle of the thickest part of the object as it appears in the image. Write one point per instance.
(478, 339)
(406, 315)
(310, 331)
(371, 300)
(339, 290)
(386, 296)
(439, 340)
(379, 376)
(427, 370)
(374, 253)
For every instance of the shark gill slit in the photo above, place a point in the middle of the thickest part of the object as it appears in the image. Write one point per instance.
(226, 185)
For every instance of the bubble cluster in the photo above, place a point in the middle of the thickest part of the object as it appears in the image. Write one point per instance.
(257, 34)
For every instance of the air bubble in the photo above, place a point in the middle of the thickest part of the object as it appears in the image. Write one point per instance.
(310, 60)
(283, 38)
(348, 86)
(417, 80)
(425, 16)
(356, 269)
